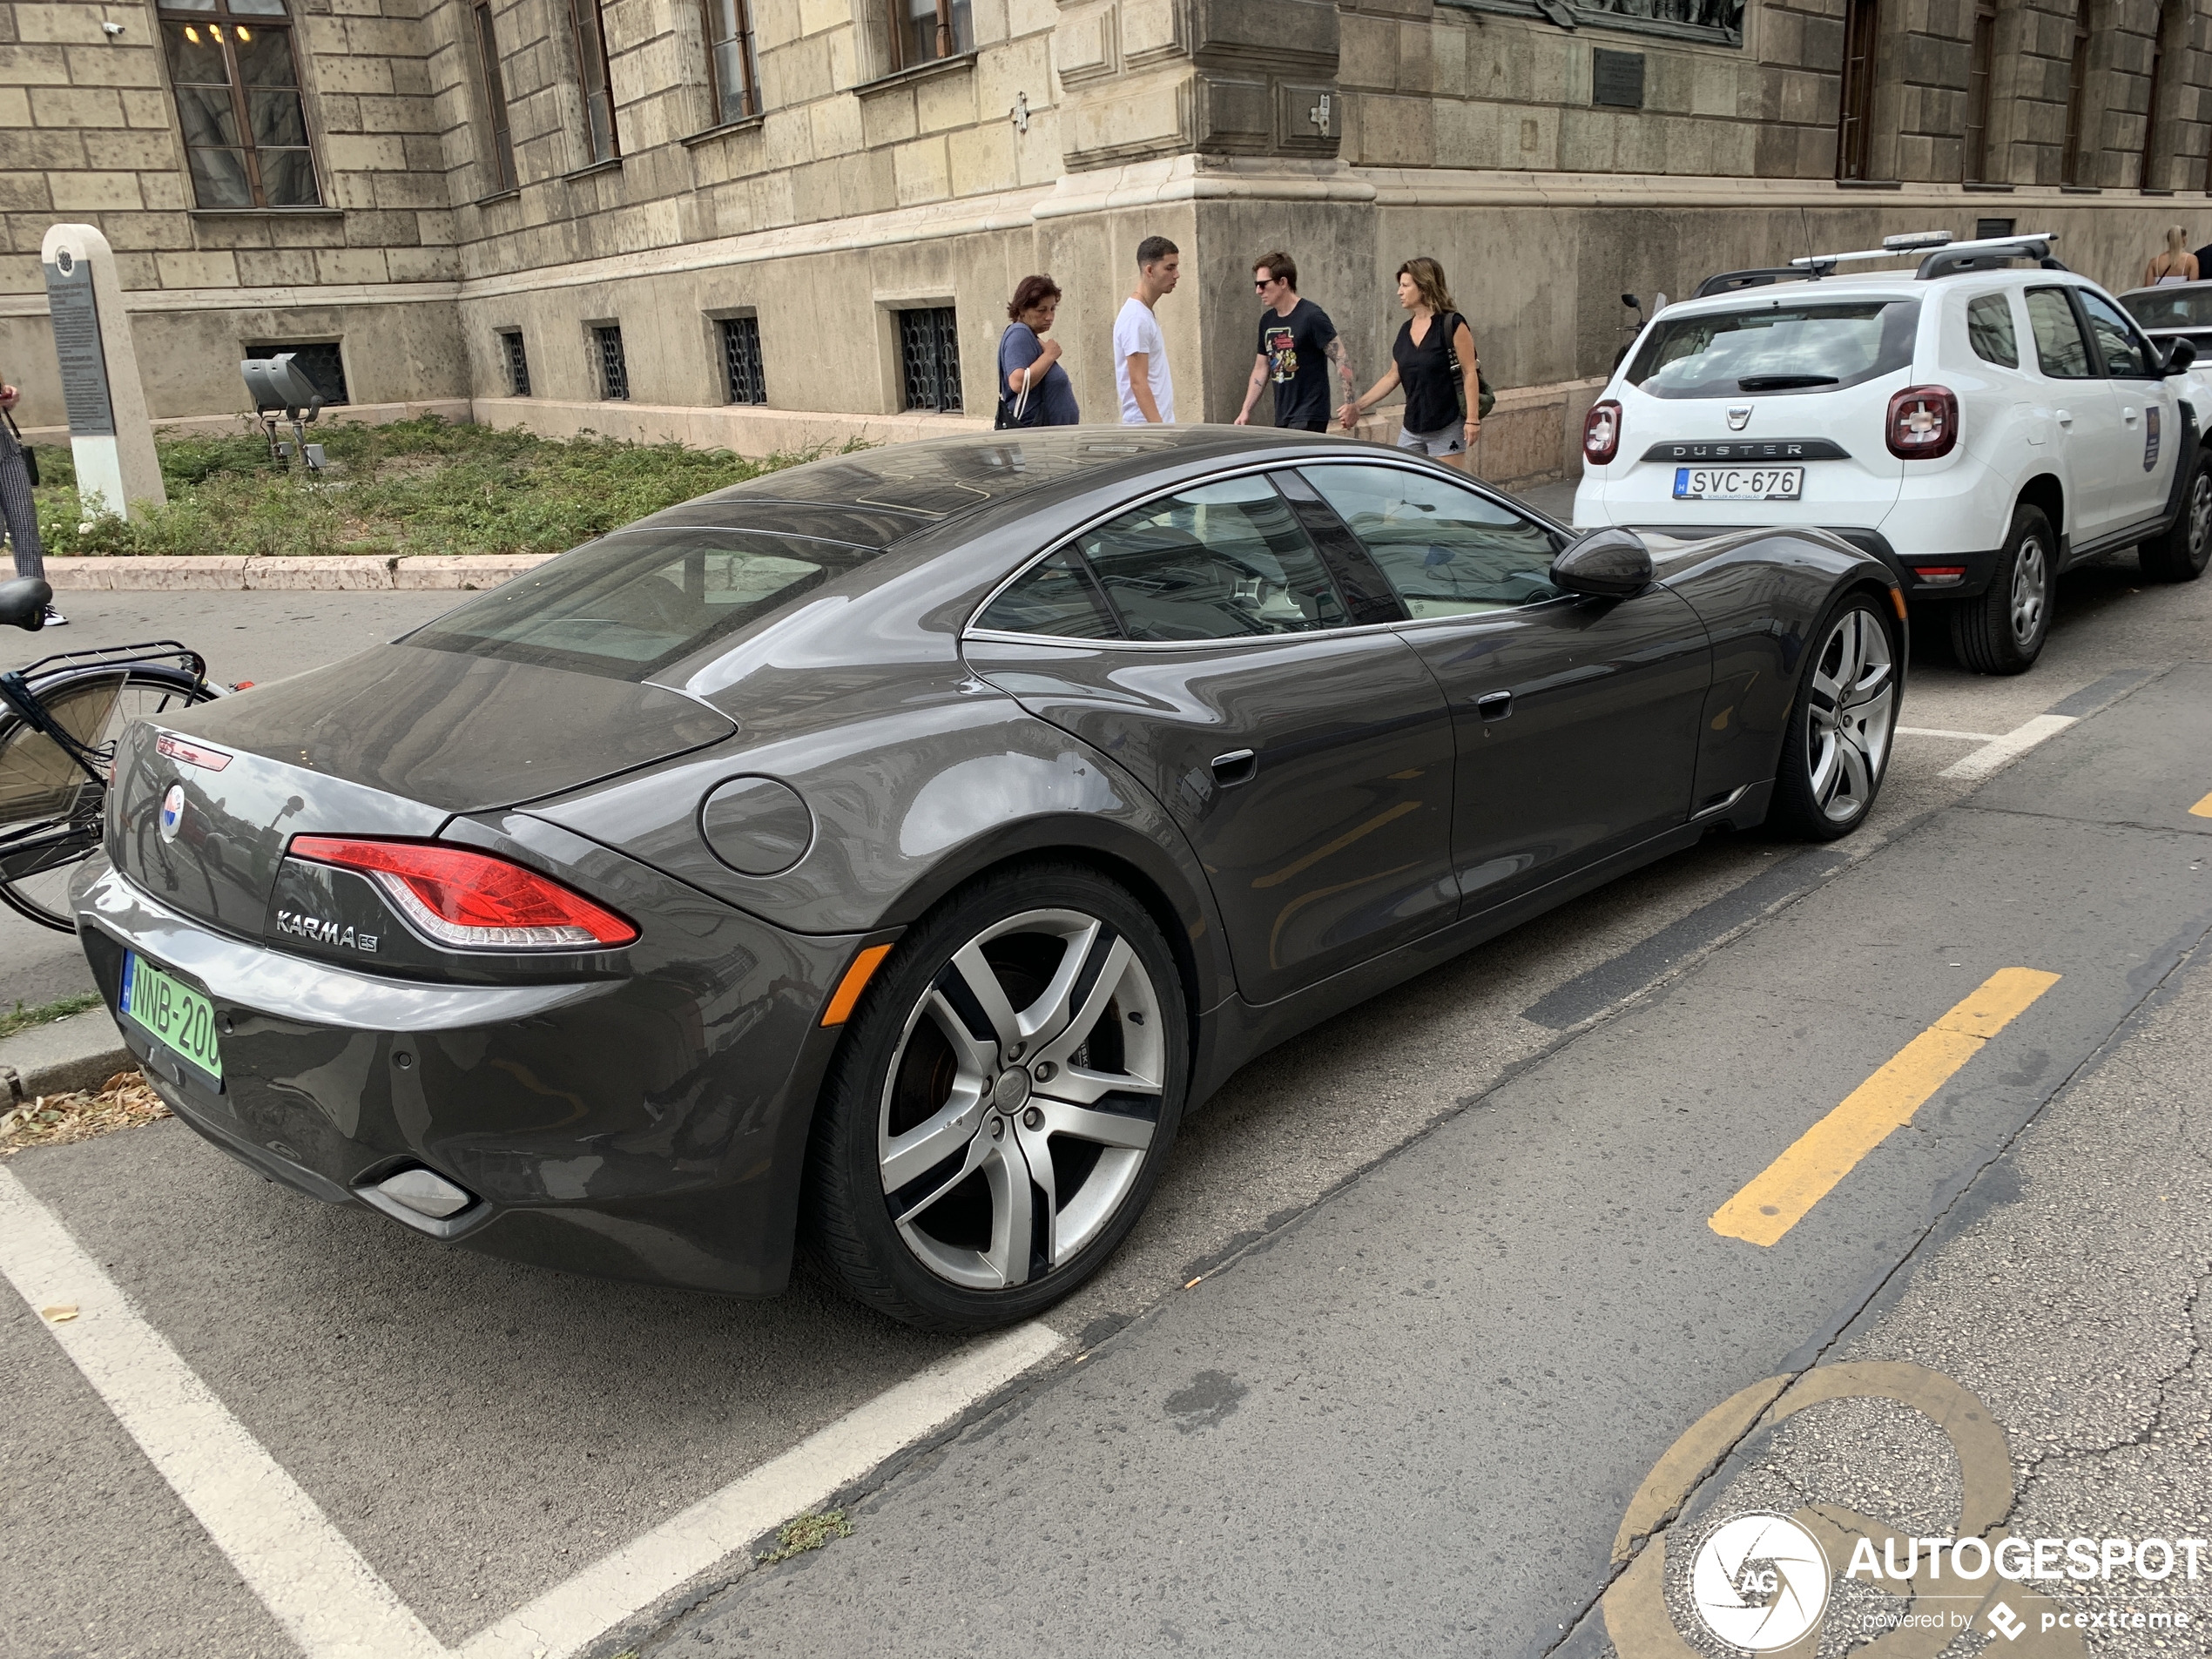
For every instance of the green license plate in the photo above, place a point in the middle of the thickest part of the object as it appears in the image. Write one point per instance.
(173, 1013)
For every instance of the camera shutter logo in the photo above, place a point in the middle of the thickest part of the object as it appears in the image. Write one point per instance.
(173, 811)
(1760, 1581)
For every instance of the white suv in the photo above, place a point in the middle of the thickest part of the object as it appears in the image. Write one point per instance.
(1979, 425)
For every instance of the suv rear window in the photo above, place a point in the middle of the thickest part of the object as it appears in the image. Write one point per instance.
(1806, 346)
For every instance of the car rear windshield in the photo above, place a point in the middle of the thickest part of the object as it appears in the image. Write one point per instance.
(637, 600)
(2171, 308)
(1804, 346)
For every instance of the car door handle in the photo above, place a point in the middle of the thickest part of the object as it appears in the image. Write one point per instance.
(2064, 417)
(2129, 415)
(1494, 705)
(1235, 767)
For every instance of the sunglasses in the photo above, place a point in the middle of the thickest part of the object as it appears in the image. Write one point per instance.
(1262, 284)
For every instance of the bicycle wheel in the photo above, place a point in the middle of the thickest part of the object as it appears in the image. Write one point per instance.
(49, 811)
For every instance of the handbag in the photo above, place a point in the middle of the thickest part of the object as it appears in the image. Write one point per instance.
(1485, 400)
(29, 455)
(1014, 411)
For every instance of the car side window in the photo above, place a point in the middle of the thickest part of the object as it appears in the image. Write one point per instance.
(1056, 597)
(1445, 549)
(1225, 561)
(2119, 347)
(1989, 330)
(2060, 349)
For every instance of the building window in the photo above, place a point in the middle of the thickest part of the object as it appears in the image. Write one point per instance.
(929, 359)
(591, 71)
(1724, 17)
(614, 373)
(237, 84)
(1862, 38)
(2150, 172)
(517, 361)
(319, 361)
(732, 69)
(2072, 162)
(503, 138)
(742, 380)
(1975, 168)
(924, 30)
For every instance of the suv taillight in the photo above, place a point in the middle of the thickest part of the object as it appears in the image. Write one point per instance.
(1601, 433)
(471, 901)
(1924, 423)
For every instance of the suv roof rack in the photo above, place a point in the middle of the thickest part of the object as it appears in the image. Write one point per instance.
(1946, 257)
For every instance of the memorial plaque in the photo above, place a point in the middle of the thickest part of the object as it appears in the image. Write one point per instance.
(1616, 79)
(76, 343)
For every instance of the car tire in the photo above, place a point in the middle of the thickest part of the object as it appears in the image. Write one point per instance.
(972, 1158)
(1836, 744)
(2182, 553)
(2002, 630)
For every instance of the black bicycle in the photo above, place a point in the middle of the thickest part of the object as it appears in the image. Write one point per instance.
(59, 720)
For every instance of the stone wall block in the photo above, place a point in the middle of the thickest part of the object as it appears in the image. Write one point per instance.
(945, 102)
(24, 192)
(201, 269)
(112, 65)
(1367, 53)
(363, 265)
(75, 107)
(275, 268)
(92, 192)
(982, 158)
(888, 116)
(922, 171)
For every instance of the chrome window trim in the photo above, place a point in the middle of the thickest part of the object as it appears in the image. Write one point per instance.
(971, 630)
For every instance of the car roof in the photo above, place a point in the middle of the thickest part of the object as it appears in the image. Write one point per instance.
(880, 497)
(2163, 287)
(1864, 285)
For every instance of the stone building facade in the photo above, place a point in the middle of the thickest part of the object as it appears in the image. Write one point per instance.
(764, 223)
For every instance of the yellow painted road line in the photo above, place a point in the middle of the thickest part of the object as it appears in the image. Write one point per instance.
(1778, 1198)
(2203, 809)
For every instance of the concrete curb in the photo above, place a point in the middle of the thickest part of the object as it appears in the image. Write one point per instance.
(338, 573)
(81, 1052)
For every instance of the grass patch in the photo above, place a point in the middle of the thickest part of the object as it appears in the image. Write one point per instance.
(122, 1102)
(807, 1532)
(46, 1013)
(409, 487)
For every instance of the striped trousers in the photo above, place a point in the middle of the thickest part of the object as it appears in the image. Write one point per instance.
(16, 511)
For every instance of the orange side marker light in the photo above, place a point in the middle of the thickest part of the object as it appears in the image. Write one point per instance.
(1897, 602)
(855, 980)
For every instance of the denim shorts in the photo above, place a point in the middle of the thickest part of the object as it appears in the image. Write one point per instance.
(1452, 440)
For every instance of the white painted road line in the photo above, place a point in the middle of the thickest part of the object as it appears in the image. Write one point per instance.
(634, 1577)
(1938, 731)
(316, 1584)
(313, 1582)
(2002, 752)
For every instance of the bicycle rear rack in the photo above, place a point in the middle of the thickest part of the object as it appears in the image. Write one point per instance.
(153, 650)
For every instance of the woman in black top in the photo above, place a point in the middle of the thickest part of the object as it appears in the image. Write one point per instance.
(1421, 362)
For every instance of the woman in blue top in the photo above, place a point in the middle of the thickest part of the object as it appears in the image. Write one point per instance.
(1031, 378)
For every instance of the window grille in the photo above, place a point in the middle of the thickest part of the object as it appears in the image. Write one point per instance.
(503, 177)
(237, 86)
(614, 373)
(732, 68)
(742, 379)
(318, 360)
(591, 25)
(929, 356)
(518, 363)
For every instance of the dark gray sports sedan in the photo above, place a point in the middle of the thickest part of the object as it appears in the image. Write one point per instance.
(885, 854)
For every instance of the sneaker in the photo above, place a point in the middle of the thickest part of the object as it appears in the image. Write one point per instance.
(54, 619)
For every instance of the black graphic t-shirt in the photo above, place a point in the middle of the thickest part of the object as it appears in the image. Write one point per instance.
(1296, 348)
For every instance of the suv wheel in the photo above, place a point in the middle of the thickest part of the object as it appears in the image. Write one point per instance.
(2182, 553)
(2003, 630)
(1002, 1101)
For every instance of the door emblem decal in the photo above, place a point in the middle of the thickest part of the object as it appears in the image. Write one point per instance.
(2150, 437)
(1739, 416)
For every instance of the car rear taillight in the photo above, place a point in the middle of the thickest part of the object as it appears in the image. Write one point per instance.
(471, 901)
(1924, 423)
(1601, 433)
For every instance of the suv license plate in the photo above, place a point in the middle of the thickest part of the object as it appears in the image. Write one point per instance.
(1739, 483)
(172, 1013)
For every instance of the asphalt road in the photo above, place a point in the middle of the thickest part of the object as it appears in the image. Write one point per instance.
(1456, 1288)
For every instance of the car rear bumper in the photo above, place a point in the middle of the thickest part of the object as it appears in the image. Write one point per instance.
(637, 1127)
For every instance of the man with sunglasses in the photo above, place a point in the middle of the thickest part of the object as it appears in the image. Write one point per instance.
(1297, 344)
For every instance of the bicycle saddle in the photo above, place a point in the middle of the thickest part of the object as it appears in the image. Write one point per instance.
(23, 602)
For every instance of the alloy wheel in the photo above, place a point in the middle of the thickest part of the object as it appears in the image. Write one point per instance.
(2031, 589)
(2200, 518)
(1022, 1099)
(1847, 738)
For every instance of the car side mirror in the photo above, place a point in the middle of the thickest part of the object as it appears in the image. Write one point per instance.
(1608, 563)
(2179, 356)
(23, 602)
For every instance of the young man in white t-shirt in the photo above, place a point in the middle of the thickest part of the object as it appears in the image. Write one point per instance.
(1140, 349)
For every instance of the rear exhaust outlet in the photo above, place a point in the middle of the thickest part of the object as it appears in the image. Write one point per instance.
(426, 1193)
